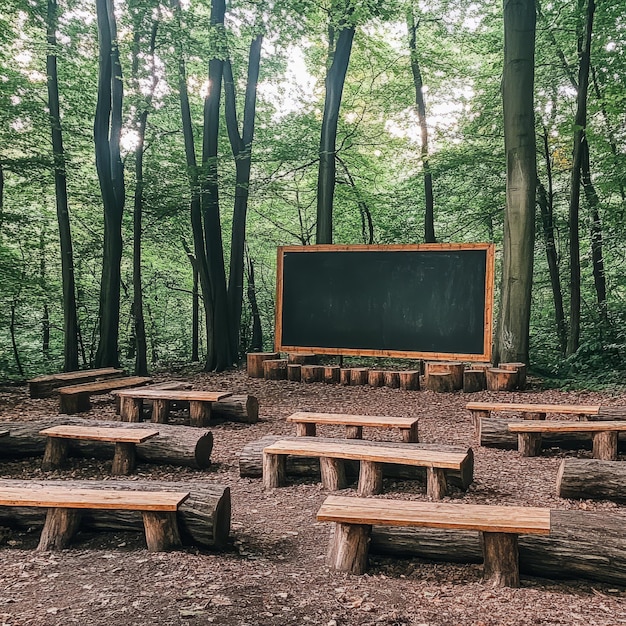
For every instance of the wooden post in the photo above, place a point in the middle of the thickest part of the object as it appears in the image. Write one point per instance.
(354, 432)
(124, 458)
(358, 376)
(392, 379)
(349, 547)
(306, 429)
(312, 373)
(199, 413)
(333, 473)
(332, 374)
(274, 474)
(59, 528)
(436, 486)
(529, 444)
(531, 415)
(501, 380)
(474, 380)
(254, 362)
(130, 409)
(161, 528)
(370, 479)
(410, 435)
(501, 559)
(477, 416)
(55, 454)
(605, 445)
(376, 378)
(293, 372)
(409, 380)
(74, 403)
(275, 369)
(441, 382)
(160, 411)
(344, 375)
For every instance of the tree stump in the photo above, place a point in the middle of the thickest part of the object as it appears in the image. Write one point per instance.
(529, 444)
(344, 375)
(441, 382)
(306, 429)
(501, 559)
(358, 376)
(520, 368)
(605, 445)
(199, 413)
(311, 373)
(59, 528)
(392, 379)
(474, 380)
(333, 473)
(581, 479)
(447, 367)
(161, 528)
(501, 380)
(55, 453)
(274, 473)
(409, 380)
(254, 362)
(332, 374)
(74, 403)
(294, 372)
(302, 358)
(370, 479)
(124, 458)
(436, 486)
(275, 369)
(376, 378)
(349, 547)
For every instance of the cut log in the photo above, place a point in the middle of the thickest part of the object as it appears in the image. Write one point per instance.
(440, 382)
(501, 559)
(333, 473)
(203, 519)
(332, 374)
(237, 408)
(275, 369)
(251, 463)
(293, 372)
(302, 358)
(520, 368)
(474, 380)
(344, 375)
(376, 378)
(174, 445)
(453, 368)
(501, 380)
(392, 379)
(592, 479)
(349, 547)
(312, 373)
(581, 544)
(358, 376)
(409, 380)
(254, 362)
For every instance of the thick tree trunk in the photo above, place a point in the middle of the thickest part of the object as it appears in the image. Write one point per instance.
(519, 218)
(174, 445)
(203, 519)
(580, 545)
(335, 79)
(70, 320)
(592, 479)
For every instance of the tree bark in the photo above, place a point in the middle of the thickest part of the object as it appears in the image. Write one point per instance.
(519, 143)
(593, 479)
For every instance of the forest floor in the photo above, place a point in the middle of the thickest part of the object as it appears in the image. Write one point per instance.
(274, 570)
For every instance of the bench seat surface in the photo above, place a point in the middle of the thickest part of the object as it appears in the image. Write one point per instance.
(586, 409)
(73, 498)
(486, 518)
(306, 417)
(541, 426)
(345, 449)
(94, 433)
(174, 394)
(78, 374)
(105, 385)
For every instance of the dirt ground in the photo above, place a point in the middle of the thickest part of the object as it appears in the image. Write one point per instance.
(274, 571)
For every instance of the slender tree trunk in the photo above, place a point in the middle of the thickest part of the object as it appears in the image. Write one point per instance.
(45, 318)
(520, 149)
(429, 216)
(195, 319)
(241, 145)
(367, 225)
(107, 129)
(335, 79)
(256, 341)
(580, 124)
(70, 318)
(16, 353)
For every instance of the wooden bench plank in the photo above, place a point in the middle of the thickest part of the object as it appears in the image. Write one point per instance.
(566, 409)
(104, 386)
(75, 498)
(487, 518)
(44, 386)
(176, 394)
(352, 420)
(565, 427)
(94, 433)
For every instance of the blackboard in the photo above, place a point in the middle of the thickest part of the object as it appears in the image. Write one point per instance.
(430, 301)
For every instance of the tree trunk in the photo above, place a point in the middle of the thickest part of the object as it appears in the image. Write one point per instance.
(107, 129)
(203, 519)
(519, 218)
(582, 479)
(335, 79)
(195, 318)
(580, 123)
(70, 320)
(256, 342)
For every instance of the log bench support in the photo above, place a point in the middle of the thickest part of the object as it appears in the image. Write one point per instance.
(498, 526)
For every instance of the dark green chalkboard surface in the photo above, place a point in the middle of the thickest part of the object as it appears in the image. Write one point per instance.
(431, 301)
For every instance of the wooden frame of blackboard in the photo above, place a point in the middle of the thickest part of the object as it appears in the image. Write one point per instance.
(488, 309)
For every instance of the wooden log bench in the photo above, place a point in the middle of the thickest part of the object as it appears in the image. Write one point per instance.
(168, 384)
(306, 423)
(64, 505)
(77, 398)
(604, 435)
(500, 526)
(45, 386)
(125, 440)
(333, 452)
(200, 403)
